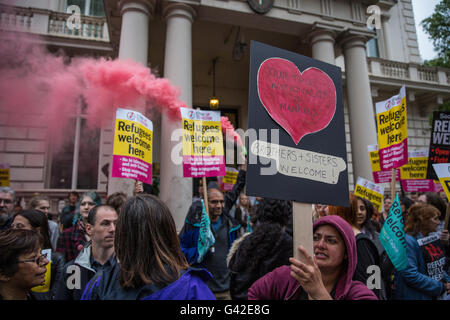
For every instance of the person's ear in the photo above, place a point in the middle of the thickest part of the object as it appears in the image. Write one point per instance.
(89, 228)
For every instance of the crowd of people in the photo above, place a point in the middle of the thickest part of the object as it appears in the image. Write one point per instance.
(128, 247)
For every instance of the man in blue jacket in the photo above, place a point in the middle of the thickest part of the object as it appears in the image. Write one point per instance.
(225, 230)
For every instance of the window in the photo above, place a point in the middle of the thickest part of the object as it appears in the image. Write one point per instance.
(372, 48)
(89, 7)
(75, 164)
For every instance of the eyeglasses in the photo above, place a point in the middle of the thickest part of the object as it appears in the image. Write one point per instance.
(216, 202)
(37, 260)
(6, 201)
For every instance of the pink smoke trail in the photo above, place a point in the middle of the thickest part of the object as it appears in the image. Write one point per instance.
(230, 133)
(34, 81)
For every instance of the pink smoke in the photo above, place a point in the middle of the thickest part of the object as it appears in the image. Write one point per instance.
(228, 130)
(35, 81)
(118, 83)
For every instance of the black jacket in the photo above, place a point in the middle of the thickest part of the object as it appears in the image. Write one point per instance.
(76, 275)
(195, 210)
(368, 255)
(241, 279)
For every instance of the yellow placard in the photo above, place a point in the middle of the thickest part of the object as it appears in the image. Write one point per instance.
(133, 139)
(392, 126)
(371, 195)
(4, 177)
(443, 172)
(45, 287)
(415, 169)
(374, 161)
(202, 138)
(230, 177)
(445, 182)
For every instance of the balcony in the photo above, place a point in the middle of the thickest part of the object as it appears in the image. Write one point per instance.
(408, 72)
(50, 23)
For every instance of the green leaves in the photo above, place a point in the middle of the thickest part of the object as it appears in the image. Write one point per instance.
(438, 28)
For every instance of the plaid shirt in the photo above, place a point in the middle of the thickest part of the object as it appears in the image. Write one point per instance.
(71, 241)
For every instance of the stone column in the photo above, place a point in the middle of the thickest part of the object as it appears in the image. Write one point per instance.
(175, 190)
(361, 109)
(56, 5)
(133, 46)
(134, 33)
(386, 36)
(322, 44)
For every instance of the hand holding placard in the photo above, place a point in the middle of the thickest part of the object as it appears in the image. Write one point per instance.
(308, 274)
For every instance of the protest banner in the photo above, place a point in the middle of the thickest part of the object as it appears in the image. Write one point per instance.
(392, 236)
(370, 191)
(442, 171)
(439, 150)
(227, 182)
(378, 175)
(392, 131)
(295, 104)
(4, 175)
(202, 147)
(413, 175)
(132, 151)
(206, 238)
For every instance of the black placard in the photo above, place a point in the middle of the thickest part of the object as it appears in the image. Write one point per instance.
(301, 98)
(439, 151)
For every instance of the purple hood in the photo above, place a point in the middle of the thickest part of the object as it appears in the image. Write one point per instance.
(279, 285)
(346, 231)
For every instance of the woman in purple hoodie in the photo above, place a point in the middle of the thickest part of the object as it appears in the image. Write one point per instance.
(327, 276)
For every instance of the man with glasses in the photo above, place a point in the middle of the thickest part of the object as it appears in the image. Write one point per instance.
(225, 230)
(7, 201)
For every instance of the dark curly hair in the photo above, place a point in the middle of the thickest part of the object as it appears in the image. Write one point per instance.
(272, 215)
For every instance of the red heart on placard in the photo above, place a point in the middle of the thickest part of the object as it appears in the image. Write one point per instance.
(300, 102)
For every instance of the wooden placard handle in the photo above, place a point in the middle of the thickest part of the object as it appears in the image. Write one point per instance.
(205, 189)
(393, 186)
(205, 194)
(303, 229)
